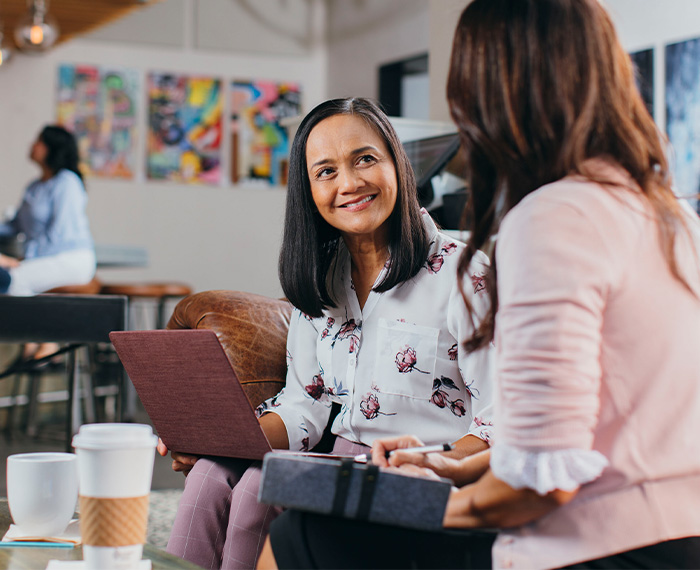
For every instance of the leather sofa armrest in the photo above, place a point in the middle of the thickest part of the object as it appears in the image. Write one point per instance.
(252, 330)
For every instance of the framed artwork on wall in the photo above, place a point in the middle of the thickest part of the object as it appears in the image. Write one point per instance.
(98, 105)
(644, 63)
(259, 143)
(683, 115)
(184, 128)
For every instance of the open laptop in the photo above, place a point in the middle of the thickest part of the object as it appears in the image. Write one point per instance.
(191, 392)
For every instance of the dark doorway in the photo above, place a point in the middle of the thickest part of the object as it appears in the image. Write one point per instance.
(401, 86)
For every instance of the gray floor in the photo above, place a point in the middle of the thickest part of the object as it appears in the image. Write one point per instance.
(51, 438)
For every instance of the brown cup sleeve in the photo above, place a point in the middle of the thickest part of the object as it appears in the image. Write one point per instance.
(113, 522)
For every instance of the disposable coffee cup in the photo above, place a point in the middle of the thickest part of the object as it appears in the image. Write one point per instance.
(115, 466)
(42, 491)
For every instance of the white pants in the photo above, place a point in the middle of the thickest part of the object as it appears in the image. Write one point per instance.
(34, 276)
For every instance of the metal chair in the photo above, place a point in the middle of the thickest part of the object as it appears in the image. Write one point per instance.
(67, 319)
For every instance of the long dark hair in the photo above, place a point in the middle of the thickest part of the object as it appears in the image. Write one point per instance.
(536, 88)
(62, 149)
(310, 244)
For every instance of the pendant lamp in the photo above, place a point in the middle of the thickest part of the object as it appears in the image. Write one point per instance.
(36, 31)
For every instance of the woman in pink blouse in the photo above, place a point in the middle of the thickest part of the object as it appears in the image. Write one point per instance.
(595, 313)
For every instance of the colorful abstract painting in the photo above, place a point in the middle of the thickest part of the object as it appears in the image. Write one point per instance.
(683, 115)
(98, 105)
(184, 128)
(259, 143)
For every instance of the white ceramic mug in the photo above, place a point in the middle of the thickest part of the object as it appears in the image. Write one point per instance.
(115, 462)
(42, 491)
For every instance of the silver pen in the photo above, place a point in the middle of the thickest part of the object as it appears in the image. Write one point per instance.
(440, 447)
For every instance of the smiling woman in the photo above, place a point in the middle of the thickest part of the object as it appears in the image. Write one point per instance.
(377, 332)
(352, 179)
(311, 236)
(353, 184)
(566, 165)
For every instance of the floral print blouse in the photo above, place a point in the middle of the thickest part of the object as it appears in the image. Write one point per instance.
(395, 367)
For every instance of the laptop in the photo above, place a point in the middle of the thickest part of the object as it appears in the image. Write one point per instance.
(191, 392)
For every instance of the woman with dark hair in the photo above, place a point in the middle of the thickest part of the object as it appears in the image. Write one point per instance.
(595, 313)
(58, 247)
(377, 328)
(308, 236)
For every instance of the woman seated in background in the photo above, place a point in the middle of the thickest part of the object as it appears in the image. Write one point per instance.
(378, 328)
(58, 247)
(595, 315)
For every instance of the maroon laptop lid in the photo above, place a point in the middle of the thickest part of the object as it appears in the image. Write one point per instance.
(190, 392)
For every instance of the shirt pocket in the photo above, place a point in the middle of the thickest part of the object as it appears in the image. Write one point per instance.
(406, 359)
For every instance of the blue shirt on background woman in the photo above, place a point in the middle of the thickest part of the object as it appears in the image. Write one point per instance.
(58, 246)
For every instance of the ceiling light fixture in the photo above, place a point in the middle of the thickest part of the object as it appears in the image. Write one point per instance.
(37, 30)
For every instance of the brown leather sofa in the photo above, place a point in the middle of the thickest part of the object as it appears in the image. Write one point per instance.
(251, 328)
(253, 332)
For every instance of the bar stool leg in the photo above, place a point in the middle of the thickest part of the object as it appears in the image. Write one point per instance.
(160, 314)
(87, 389)
(12, 410)
(73, 413)
(30, 422)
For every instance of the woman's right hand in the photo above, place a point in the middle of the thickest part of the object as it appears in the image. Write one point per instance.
(460, 471)
(182, 462)
(435, 462)
(382, 447)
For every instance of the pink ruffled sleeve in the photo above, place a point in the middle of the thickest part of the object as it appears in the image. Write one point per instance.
(555, 271)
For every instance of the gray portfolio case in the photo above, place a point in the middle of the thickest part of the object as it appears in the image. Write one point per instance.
(341, 487)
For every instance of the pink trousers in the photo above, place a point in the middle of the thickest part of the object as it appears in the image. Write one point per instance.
(219, 523)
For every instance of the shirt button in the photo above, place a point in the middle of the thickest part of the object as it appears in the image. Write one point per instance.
(352, 363)
(507, 563)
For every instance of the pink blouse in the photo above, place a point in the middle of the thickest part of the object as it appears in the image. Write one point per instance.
(598, 371)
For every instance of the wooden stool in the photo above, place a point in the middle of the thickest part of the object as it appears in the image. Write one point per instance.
(160, 292)
(92, 288)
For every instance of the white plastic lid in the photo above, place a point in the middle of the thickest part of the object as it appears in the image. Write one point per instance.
(115, 436)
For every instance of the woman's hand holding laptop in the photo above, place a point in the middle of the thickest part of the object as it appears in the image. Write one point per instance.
(272, 425)
(182, 462)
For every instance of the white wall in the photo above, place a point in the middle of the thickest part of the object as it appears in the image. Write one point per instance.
(365, 34)
(443, 20)
(210, 237)
(645, 24)
(641, 24)
(228, 237)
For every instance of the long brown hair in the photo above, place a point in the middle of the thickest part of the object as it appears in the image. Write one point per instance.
(537, 87)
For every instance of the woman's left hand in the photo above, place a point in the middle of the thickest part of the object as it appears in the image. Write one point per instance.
(8, 262)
